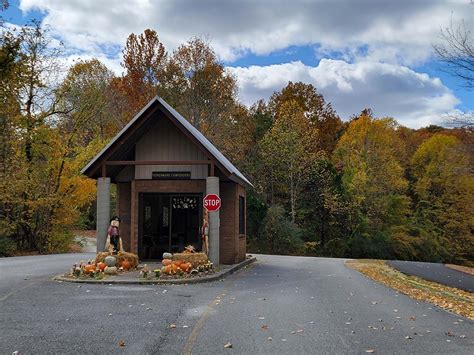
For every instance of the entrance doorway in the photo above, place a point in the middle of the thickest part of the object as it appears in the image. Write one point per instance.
(168, 223)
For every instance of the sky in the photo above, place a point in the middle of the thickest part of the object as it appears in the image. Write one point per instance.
(358, 54)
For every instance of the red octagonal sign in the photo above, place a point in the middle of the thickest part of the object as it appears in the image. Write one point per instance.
(212, 202)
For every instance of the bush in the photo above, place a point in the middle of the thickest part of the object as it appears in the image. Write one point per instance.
(312, 248)
(60, 242)
(368, 246)
(7, 246)
(335, 248)
(282, 235)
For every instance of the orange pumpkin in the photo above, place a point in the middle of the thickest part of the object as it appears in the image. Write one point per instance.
(171, 269)
(186, 267)
(90, 268)
(101, 266)
(166, 262)
(125, 264)
(178, 263)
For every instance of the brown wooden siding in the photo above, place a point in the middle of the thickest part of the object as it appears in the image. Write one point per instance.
(164, 141)
(123, 208)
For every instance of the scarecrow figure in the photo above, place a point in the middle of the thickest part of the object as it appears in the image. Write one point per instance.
(205, 233)
(114, 242)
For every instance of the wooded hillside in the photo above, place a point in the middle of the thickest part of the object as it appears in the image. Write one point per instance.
(366, 187)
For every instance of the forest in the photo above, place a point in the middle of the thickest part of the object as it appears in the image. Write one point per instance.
(365, 187)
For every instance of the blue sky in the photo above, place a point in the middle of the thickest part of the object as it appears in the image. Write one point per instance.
(377, 54)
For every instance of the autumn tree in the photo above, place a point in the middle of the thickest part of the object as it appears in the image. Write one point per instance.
(443, 194)
(144, 61)
(10, 144)
(373, 176)
(288, 152)
(200, 87)
(315, 108)
(41, 191)
(85, 102)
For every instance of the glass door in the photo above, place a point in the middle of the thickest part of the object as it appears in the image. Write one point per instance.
(168, 223)
(185, 222)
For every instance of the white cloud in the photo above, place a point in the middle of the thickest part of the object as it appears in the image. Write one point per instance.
(395, 31)
(377, 40)
(412, 98)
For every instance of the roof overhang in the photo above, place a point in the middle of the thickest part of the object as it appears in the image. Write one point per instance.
(155, 105)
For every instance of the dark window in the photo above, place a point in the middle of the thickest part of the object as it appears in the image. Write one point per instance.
(241, 215)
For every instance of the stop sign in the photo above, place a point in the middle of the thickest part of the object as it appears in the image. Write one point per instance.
(212, 202)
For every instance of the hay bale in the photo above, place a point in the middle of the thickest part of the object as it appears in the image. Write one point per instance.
(132, 258)
(195, 259)
(121, 255)
(100, 257)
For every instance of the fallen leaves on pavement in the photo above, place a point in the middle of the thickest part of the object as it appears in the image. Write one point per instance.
(449, 298)
(465, 269)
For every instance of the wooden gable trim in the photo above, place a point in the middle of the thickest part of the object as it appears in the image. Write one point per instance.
(195, 141)
(156, 106)
(122, 139)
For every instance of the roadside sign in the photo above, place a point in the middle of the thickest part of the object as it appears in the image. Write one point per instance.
(212, 202)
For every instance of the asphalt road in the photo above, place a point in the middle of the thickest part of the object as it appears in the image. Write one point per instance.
(435, 272)
(280, 305)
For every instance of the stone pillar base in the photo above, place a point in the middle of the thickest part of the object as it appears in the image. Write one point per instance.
(212, 187)
(103, 211)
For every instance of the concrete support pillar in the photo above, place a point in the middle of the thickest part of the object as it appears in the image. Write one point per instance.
(103, 211)
(212, 187)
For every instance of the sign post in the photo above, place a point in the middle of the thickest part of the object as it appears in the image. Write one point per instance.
(212, 202)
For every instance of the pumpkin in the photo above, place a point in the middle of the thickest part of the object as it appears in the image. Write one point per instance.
(168, 269)
(90, 268)
(125, 264)
(171, 269)
(186, 267)
(166, 262)
(110, 260)
(101, 266)
(178, 263)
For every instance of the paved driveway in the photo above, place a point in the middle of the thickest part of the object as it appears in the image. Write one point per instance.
(281, 305)
(436, 272)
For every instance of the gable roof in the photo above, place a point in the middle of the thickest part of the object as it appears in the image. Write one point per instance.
(233, 173)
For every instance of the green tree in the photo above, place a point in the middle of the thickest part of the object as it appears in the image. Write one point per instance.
(324, 210)
(287, 151)
(282, 235)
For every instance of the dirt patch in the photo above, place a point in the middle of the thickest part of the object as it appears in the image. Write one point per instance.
(465, 269)
(448, 298)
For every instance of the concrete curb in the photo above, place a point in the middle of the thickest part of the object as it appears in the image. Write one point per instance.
(209, 278)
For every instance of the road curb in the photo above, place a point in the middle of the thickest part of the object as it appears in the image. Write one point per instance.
(210, 278)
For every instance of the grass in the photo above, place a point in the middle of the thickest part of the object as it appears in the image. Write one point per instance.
(448, 298)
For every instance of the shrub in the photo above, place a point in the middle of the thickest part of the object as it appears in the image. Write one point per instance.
(7, 246)
(336, 248)
(60, 242)
(311, 248)
(283, 236)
